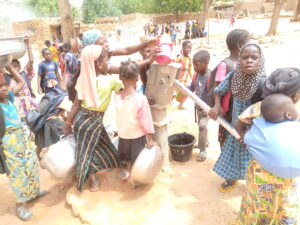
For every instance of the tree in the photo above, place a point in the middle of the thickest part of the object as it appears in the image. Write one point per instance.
(43, 8)
(93, 9)
(275, 17)
(296, 11)
(67, 27)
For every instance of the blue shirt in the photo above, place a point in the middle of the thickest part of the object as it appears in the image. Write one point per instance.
(10, 112)
(275, 146)
(48, 69)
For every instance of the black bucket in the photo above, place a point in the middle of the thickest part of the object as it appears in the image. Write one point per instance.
(181, 146)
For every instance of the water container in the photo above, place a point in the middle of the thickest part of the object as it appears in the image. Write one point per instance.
(164, 55)
(181, 146)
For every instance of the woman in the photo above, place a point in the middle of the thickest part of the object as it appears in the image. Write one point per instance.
(94, 152)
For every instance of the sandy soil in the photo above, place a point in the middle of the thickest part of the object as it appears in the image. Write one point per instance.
(188, 193)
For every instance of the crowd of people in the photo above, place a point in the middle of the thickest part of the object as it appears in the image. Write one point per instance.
(175, 31)
(238, 89)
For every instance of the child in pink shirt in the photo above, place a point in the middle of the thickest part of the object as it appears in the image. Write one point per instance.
(133, 117)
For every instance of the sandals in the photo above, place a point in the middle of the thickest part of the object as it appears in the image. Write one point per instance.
(23, 213)
(228, 185)
(201, 156)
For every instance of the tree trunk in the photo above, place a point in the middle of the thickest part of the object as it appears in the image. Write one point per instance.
(275, 17)
(206, 4)
(67, 27)
(296, 11)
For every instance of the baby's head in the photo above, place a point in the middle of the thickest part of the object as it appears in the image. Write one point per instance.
(278, 107)
(129, 71)
(201, 61)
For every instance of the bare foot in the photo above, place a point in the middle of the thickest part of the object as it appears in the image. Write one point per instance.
(94, 183)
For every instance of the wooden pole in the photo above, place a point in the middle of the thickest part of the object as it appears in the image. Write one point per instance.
(206, 108)
(67, 27)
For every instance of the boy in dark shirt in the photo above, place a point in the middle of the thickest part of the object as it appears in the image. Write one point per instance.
(199, 86)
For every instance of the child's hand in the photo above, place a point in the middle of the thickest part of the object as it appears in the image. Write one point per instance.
(214, 112)
(152, 58)
(40, 91)
(150, 144)
(9, 68)
(67, 130)
(26, 40)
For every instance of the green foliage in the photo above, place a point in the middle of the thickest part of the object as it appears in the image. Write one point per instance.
(43, 8)
(93, 9)
(76, 13)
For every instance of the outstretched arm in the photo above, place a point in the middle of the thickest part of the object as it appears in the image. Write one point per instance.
(135, 48)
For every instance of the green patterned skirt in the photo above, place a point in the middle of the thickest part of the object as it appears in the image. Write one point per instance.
(22, 165)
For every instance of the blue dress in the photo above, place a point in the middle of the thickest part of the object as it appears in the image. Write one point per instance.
(234, 158)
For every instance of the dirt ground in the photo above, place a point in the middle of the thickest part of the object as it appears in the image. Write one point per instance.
(184, 195)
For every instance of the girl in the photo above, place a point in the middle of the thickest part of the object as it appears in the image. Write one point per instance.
(244, 85)
(234, 40)
(133, 117)
(273, 197)
(19, 160)
(94, 150)
(25, 99)
(186, 72)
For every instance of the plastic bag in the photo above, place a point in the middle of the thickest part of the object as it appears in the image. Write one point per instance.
(59, 160)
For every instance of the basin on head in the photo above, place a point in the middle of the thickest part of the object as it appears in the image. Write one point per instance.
(5, 59)
(14, 44)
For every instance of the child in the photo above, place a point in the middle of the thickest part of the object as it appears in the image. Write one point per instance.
(146, 53)
(244, 83)
(133, 117)
(19, 160)
(70, 61)
(61, 55)
(234, 40)
(25, 99)
(199, 86)
(53, 50)
(48, 75)
(271, 195)
(186, 72)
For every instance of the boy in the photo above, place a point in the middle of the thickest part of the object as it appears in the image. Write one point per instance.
(199, 86)
(70, 60)
(48, 75)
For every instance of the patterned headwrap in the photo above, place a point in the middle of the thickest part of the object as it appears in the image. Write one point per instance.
(90, 37)
(282, 81)
(244, 86)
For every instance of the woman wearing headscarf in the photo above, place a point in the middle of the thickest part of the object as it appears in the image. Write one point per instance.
(245, 84)
(94, 150)
(270, 198)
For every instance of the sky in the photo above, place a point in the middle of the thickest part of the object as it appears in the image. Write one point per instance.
(76, 3)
